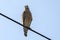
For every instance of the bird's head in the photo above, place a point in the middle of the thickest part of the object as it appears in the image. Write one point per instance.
(26, 6)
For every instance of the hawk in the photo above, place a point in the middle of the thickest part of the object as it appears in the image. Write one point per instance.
(27, 19)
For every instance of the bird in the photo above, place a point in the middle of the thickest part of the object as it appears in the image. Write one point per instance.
(27, 19)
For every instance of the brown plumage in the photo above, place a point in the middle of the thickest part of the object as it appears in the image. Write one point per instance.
(27, 18)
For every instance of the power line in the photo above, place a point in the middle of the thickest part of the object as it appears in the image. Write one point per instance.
(24, 26)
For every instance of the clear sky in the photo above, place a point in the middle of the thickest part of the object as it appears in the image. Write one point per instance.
(46, 19)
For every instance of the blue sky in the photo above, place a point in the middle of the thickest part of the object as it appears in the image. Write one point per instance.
(46, 19)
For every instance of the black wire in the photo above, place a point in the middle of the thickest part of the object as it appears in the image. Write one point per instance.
(24, 26)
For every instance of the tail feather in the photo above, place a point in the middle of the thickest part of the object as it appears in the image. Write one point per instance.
(25, 31)
(25, 34)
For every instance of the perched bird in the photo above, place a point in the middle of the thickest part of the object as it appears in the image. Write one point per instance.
(27, 19)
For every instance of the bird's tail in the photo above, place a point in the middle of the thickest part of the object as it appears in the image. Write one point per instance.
(25, 34)
(25, 31)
